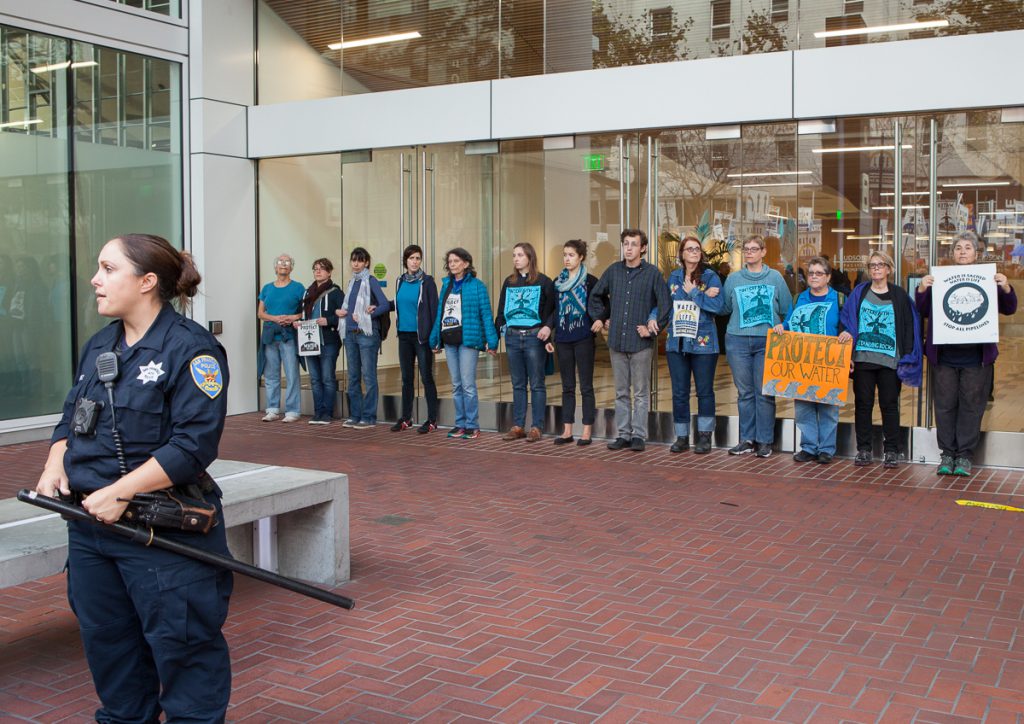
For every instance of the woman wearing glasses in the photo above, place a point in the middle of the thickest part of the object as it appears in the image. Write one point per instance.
(963, 372)
(816, 312)
(692, 344)
(758, 299)
(882, 322)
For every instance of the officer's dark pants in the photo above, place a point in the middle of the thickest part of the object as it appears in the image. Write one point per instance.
(151, 625)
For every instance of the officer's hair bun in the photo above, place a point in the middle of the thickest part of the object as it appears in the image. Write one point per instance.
(176, 270)
(188, 280)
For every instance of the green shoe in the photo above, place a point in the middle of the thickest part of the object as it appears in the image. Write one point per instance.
(945, 465)
(962, 467)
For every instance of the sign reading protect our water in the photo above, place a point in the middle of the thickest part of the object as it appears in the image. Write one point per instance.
(811, 367)
(964, 304)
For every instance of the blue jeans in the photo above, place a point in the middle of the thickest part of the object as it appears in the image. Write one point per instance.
(526, 357)
(361, 354)
(462, 370)
(275, 353)
(323, 381)
(757, 411)
(817, 424)
(702, 366)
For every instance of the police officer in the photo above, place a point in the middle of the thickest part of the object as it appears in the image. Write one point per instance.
(150, 619)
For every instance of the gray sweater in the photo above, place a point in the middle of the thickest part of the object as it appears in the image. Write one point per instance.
(633, 293)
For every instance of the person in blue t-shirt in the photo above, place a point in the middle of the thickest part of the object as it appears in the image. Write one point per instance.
(816, 312)
(280, 306)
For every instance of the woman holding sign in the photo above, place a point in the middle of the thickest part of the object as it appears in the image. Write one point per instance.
(322, 300)
(465, 328)
(963, 372)
(692, 344)
(882, 322)
(758, 299)
(816, 312)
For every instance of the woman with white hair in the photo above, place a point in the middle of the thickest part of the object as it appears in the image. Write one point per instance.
(963, 372)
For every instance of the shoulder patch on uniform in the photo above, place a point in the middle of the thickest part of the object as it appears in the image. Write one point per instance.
(206, 374)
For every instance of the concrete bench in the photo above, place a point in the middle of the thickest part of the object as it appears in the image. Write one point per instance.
(289, 520)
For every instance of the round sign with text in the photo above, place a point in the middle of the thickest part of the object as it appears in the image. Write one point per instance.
(965, 304)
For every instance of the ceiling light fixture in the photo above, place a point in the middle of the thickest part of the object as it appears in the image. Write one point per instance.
(767, 173)
(363, 42)
(843, 231)
(920, 25)
(975, 183)
(778, 183)
(851, 149)
(64, 66)
(21, 124)
(893, 208)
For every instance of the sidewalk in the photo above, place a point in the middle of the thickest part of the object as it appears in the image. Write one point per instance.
(512, 581)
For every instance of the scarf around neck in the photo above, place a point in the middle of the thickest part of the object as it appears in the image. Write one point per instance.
(313, 292)
(413, 277)
(358, 313)
(572, 297)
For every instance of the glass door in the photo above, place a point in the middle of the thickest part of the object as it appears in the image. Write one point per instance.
(437, 197)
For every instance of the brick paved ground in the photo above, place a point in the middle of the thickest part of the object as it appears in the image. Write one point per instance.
(511, 582)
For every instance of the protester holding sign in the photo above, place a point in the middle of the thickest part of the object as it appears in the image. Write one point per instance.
(816, 312)
(464, 327)
(322, 299)
(692, 344)
(758, 299)
(882, 322)
(962, 371)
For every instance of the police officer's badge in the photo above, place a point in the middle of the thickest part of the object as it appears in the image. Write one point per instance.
(207, 375)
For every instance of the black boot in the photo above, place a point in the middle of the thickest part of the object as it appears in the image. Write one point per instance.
(703, 445)
(681, 444)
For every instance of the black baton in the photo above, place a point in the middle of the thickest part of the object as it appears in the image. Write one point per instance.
(146, 537)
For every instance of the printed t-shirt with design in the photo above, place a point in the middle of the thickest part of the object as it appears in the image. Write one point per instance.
(876, 335)
(451, 314)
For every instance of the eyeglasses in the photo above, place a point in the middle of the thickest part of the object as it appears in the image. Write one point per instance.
(751, 249)
(878, 265)
(816, 274)
(691, 248)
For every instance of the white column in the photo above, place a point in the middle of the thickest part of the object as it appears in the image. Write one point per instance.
(223, 183)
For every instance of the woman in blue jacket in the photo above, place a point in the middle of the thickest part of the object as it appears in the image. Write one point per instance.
(465, 327)
(415, 309)
(692, 344)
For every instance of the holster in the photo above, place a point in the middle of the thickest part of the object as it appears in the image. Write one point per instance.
(172, 510)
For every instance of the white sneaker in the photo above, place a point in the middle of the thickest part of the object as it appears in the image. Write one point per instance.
(292, 417)
(271, 416)
(364, 425)
(350, 423)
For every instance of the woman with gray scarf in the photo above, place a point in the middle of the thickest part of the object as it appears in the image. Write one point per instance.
(363, 306)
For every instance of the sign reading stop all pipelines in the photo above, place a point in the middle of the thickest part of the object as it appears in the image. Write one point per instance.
(810, 367)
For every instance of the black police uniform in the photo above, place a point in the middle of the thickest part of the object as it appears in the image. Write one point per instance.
(151, 619)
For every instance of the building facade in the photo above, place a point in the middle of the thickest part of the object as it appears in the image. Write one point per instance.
(244, 129)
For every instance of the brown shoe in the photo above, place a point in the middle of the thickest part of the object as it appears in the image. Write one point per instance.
(534, 435)
(514, 434)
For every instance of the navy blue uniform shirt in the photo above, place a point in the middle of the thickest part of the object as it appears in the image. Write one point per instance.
(170, 398)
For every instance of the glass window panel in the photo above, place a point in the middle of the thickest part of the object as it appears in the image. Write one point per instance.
(35, 367)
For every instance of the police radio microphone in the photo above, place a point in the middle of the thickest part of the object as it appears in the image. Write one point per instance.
(106, 370)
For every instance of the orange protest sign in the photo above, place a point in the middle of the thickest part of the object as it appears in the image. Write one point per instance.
(809, 367)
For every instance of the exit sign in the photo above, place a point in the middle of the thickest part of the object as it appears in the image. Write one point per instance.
(594, 162)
